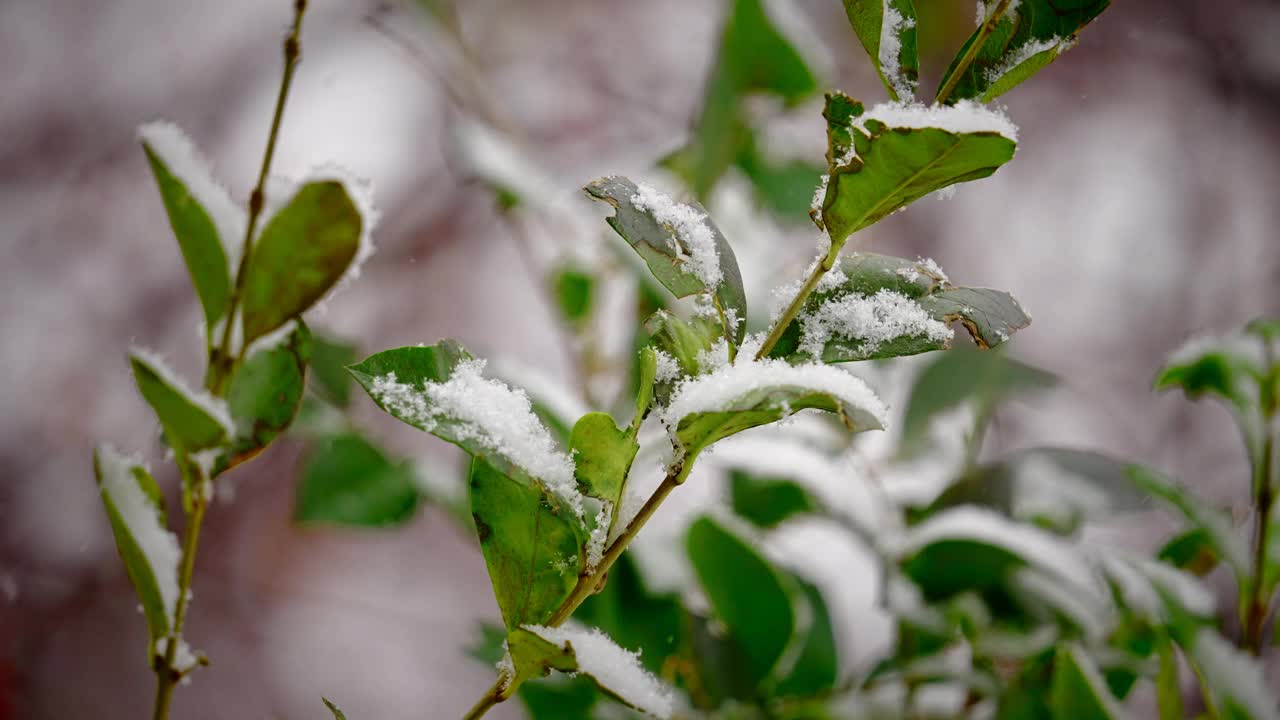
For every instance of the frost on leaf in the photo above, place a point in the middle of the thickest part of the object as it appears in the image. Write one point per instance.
(150, 552)
(616, 670)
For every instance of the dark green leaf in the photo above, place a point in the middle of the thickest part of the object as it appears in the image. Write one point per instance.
(560, 698)
(329, 360)
(872, 24)
(532, 543)
(192, 420)
(574, 291)
(337, 714)
(754, 599)
(766, 502)
(1026, 39)
(964, 375)
(349, 481)
(602, 454)
(1079, 691)
(895, 166)
(663, 249)
(1191, 551)
(198, 238)
(135, 509)
(633, 616)
(301, 254)
(1226, 543)
(266, 392)
(817, 668)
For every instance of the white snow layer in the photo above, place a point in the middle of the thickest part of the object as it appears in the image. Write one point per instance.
(215, 407)
(717, 390)
(965, 116)
(491, 414)
(1023, 53)
(185, 162)
(184, 660)
(892, 25)
(694, 240)
(142, 517)
(613, 667)
(1232, 674)
(874, 319)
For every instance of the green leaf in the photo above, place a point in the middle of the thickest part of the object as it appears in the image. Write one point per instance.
(300, 255)
(488, 649)
(574, 292)
(1025, 40)
(754, 599)
(534, 657)
(602, 455)
(135, 509)
(1168, 682)
(1235, 680)
(329, 360)
(633, 616)
(682, 340)
(192, 420)
(877, 306)
(349, 481)
(667, 251)
(964, 375)
(532, 543)
(198, 238)
(898, 62)
(896, 162)
(765, 501)
(1223, 539)
(1228, 367)
(753, 57)
(1191, 551)
(817, 668)
(1079, 691)
(337, 714)
(646, 377)
(560, 698)
(784, 187)
(591, 652)
(266, 391)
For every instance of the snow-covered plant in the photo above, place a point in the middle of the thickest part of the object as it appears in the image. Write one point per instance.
(255, 271)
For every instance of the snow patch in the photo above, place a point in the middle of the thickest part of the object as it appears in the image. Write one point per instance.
(215, 407)
(1023, 53)
(892, 25)
(874, 319)
(615, 668)
(142, 517)
(693, 239)
(965, 116)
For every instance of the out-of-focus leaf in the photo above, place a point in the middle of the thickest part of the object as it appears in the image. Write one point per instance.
(1168, 683)
(634, 616)
(560, 698)
(301, 254)
(329, 360)
(663, 249)
(591, 652)
(574, 292)
(1192, 551)
(783, 186)
(349, 481)
(817, 668)
(337, 714)
(766, 502)
(487, 648)
(1079, 691)
(897, 61)
(1027, 38)
(1235, 680)
(192, 420)
(1226, 543)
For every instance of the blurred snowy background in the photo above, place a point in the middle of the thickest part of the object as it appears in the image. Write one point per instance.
(1141, 209)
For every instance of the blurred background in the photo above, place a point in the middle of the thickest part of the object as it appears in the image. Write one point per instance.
(1140, 210)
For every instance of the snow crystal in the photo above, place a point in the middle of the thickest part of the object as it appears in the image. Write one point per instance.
(693, 238)
(614, 667)
(141, 516)
(186, 163)
(1023, 53)
(184, 660)
(892, 24)
(976, 524)
(931, 267)
(491, 414)
(874, 319)
(559, 399)
(714, 357)
(668, 368)
(715, 391)
(214, 407)
(965, 116)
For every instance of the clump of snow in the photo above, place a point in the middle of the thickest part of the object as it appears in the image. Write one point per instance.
(931, 267)
(184, 660)
(892, 25)
(615, 668)
(599, 535)
(874, 319)
(215, 407)
(489, 413)
(188, 165)
(965, 116)
(714, 357)
(820, 195)
(559, 399)
(692, 238)
(1023, 53)
(718, 389)
(833, 279)
(668, 368)
(142, 517)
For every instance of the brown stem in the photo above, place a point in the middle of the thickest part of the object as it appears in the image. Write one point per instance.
(775, 334)
(501, 690)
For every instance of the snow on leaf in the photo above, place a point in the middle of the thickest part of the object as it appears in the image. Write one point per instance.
(1235, 679)
(871, 319)
(887, 30)
(616, 670)
(193, 419)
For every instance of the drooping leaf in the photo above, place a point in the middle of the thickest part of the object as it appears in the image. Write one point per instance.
(1079, 691)
(1027, 38)
(150, 552)
(877, 306)
(680, 258)
(963, 375)
(615, 670)
(602, 455)
(1226, 543)
(1235, 680)
(329, 360)
(192, 419)
(887, 30)
(755, 600)
(532, 543)
(300, 255)
(184, 182)
(266, 391)
(746, 394)
(754, 56)
(349, 481)
(902, 154)
(337, 713)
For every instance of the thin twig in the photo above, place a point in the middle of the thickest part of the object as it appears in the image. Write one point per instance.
(988, 26)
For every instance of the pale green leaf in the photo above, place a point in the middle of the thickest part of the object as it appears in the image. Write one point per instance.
(349, 481)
